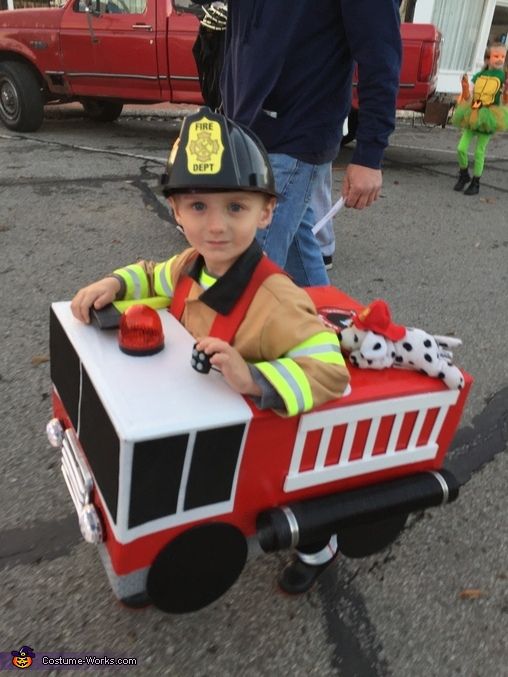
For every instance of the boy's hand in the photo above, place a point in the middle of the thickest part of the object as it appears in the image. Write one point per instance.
(232, 365)
(98, 294)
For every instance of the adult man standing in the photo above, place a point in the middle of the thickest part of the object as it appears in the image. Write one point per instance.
(287, 75)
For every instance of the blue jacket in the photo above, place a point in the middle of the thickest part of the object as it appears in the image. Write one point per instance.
(288, 70)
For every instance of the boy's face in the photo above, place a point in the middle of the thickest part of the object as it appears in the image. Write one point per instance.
(221, 226)
(497, 57)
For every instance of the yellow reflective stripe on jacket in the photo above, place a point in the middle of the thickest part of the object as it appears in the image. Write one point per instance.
(291, 383)
(162, 282)
(157, 302)
(324, 347)
(136, 281)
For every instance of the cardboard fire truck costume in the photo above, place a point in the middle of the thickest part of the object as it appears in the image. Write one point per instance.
(173, 474)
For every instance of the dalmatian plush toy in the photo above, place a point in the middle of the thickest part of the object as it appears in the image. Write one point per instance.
(375, 342)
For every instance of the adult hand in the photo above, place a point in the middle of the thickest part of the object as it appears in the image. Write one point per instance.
(232, 365)
(98, 294)
(361, 186)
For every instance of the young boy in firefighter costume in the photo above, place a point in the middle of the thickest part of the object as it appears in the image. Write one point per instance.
(252, 322)
(481, 114)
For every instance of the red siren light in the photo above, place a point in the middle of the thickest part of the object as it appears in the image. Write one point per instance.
(140, 332)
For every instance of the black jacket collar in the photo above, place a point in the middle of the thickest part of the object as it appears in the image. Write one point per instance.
(224, 294)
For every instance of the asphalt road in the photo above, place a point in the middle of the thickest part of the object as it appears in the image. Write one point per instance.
(77, 200)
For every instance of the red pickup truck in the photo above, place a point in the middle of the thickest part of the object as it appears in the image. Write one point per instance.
(421, 52)
(105, 53)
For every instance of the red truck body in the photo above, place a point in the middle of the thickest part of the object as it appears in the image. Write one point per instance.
(164, 477)
(110, 57)
(420, 60)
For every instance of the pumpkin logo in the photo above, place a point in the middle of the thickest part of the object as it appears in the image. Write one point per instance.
(23, 658)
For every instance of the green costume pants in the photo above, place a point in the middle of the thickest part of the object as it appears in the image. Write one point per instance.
(479, 152)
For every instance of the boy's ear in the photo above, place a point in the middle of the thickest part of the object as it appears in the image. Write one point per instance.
(267, 212)
(174, 207)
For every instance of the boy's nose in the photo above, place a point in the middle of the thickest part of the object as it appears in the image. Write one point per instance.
(216, 220)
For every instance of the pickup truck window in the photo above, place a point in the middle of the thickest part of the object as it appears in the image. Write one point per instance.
(113, 6)
(188, 6)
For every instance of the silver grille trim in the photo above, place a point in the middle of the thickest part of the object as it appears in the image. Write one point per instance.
(75, 471)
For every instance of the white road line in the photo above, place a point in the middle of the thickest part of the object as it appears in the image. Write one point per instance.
(88, 149)
(440, 150)
(92, 149)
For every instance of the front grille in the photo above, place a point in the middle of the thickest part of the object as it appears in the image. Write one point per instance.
(75, 471)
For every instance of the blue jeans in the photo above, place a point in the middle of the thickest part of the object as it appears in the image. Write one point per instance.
(289, 240)
(321, 202)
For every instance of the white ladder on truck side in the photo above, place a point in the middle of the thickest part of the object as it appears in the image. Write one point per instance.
(389, 456)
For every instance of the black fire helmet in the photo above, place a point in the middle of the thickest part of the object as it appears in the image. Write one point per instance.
(213, 154)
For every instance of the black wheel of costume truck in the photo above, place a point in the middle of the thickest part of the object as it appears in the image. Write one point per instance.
(101, 110)
(21, 100)
(197, 567)
(362, 540)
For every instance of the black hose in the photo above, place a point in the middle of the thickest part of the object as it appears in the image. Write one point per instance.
(308, 521)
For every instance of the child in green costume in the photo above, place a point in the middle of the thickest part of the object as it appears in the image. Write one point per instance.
(481, 115)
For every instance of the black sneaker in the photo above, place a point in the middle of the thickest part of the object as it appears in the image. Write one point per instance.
(328, 261)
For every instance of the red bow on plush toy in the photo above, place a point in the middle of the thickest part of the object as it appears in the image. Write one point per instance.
(376, 317)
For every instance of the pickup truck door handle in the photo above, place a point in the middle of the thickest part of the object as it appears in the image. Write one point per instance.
(142, 27)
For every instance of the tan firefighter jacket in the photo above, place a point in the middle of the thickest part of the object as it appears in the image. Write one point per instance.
(281, 334)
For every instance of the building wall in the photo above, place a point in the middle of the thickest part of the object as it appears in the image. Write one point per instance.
(470, 18)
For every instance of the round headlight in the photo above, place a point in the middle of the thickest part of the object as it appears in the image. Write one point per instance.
(55, 432)
(90, 524)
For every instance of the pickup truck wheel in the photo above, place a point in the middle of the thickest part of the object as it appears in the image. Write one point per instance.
(102, 111)
(21, 101)
(352, 124)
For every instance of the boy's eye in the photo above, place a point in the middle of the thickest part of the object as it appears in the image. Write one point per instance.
(198, 206)
(235, 207)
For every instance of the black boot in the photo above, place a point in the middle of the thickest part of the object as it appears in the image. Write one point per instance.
(462, 180)
(474, 186)
(302, 573)
(298, 577)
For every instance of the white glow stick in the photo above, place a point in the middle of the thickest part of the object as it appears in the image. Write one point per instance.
(329, 215)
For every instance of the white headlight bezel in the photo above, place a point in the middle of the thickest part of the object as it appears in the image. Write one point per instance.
(55, 432)
(90, 524)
